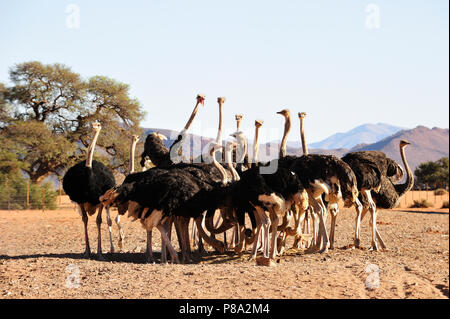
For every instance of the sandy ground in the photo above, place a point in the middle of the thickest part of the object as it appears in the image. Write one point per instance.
(41, 257)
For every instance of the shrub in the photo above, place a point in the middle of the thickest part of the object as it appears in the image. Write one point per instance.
(13, 194)
(420, 204)
(445, 204)
(440, 191)
(42, 194)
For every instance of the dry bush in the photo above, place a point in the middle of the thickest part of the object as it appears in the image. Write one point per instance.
(440, 191)
(445, 204)
(421, 204)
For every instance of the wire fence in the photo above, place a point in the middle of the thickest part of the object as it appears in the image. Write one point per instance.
(22, 194)
(427, 197)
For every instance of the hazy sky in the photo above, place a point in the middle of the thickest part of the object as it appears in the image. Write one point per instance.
(345, 63)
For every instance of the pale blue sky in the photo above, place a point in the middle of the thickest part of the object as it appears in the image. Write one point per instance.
(263, 56)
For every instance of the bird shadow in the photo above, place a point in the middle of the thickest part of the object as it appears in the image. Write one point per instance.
(425, 212)
(130, 257)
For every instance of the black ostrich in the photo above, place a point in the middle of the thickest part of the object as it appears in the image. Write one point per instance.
(320, 175)
(123, 207)
(376, 174)
(159, 154)
(174, 192)
(85, 182)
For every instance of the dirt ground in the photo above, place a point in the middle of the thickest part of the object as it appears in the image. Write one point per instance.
(41, 257)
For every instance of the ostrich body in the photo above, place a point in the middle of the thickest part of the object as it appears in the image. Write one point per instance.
(177, 192)
(376, 174)
(320, 175)
(85, 182)
(390, 194)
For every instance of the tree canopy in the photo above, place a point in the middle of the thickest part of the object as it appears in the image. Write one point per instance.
(434, 174)
(46, 116)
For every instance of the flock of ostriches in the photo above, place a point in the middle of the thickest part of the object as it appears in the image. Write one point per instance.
(223, 188)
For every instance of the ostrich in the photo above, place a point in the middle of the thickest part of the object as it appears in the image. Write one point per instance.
(154, 147)
(320, 175)
(287, 128)
(179, 193)
(376, 174)
(258, 124)
(85, 182)
(122, 209)
(238, 118)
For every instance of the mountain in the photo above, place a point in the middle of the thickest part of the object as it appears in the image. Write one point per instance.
(426, 145)
(366, 133)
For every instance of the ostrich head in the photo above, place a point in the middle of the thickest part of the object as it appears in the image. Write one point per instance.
(301, 115)
(96, 126)
(200, 99)
(238, 117)
(221, 100)
(229, 146)
(404, 143)
(285, 112)
(162, 137)
(259, 123)
(109, 197)
(134, 138)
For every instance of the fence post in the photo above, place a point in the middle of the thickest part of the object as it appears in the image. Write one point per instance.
(43, 199)
(9, 194)
(28, 194)
(60, 193)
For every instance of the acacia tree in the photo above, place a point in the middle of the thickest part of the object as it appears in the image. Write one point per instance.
(53, 109)
(435, 174)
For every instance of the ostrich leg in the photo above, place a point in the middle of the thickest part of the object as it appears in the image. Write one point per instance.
(84, 217)
(166, 240)
(149, 252)
(121, 233)
(99, 224)
(109, 221)
(333, 212)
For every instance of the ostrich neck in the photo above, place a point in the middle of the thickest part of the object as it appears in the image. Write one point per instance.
(256, 146)
(241, 151)
(194, 113)
(238, 125)
(403, 188)
(302, 136)
(287, 128)
(132, 151)
(91, 148)
(219, 167)
(229, 162)
(219, 131)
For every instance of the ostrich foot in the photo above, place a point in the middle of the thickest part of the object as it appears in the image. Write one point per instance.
(323, 250)
(265, 261)
(87, 254)
(120, 244)
(100, 257)
(357, 243)
(374, 247)
(149, 258)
